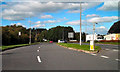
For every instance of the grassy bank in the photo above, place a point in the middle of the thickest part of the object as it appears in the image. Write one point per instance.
(14, 46)
(77, 46)
(112, 43)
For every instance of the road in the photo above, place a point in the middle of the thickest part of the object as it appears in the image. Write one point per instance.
(46, 56)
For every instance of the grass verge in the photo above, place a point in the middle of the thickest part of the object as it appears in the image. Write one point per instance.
(112, 43)
(77, 46)
(14, 46)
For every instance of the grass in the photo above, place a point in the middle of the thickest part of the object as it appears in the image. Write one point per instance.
(77, 46)
(113, 43)
(13, 46)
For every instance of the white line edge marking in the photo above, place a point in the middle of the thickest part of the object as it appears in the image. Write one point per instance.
(39, 60)
(93, 54)
(117, 59)
(104, 56)
(38, 50)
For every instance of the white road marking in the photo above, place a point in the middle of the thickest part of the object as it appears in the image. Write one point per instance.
(117, 59)
(38, 50)
(104, 56)
(107, 49)
(115, 50)
(93, 54)
(39, 60)
(39, 47)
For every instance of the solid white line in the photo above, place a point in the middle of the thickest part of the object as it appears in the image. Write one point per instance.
(38, 50)
(93, 54)
(104, 56)
(39, 60)
(117, 59)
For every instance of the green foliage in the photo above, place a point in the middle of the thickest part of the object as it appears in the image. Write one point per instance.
(115, 28)
(77, 46)
(56, 33)
(10, 35)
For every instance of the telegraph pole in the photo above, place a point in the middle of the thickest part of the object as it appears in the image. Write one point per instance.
(80, 21)
(93, 35)
(30, 34)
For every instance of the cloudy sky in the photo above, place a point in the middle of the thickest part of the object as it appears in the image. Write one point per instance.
(51, 14)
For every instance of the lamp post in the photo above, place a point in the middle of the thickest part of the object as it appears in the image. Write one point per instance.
(30, 34)
(94, 34)
(80, 21)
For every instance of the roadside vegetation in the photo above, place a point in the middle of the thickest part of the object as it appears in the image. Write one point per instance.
(113, 43)
(77, 46)
(15, 46)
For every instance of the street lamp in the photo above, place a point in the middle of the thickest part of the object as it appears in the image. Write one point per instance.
(94, 34)
(30, 34)
(80, 21)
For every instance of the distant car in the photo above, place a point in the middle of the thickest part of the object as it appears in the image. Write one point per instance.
(50, 41)
(62, 41)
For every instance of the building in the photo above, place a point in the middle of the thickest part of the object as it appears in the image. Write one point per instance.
(112, 37)
(96, 37)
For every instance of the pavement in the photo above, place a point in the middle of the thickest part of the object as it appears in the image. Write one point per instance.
(49, 56)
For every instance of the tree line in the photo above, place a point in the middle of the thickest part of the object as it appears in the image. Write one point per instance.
(10, 34)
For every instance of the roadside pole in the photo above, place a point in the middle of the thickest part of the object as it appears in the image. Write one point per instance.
(80, 21)
(92, 43)
(30, 34)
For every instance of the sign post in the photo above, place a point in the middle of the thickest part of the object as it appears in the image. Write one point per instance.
(70, 35)
(19, 33)
(92, 45)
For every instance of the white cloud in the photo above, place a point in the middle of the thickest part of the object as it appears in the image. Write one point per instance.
(22, 10)
(101, 30)
(38, 22)
(18, 24)
(74, 11)
(103, 19)
(98, 30)
(75, 22)
(109, 5)
(51, 21)
(39, 25)
(92, 15)
(46, 16)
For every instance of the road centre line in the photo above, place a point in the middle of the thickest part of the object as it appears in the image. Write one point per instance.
(117, 59)
(107, 49)
(93, 54)
(38, 50)
(115, 50)
(104, 56)
(39, 60)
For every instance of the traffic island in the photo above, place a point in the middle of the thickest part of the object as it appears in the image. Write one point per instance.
(77, 47)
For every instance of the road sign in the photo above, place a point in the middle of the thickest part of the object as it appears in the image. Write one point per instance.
(19, 33)
(70, 35)
(91, 45)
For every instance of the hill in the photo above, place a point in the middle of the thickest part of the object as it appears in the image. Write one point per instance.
(115, 28)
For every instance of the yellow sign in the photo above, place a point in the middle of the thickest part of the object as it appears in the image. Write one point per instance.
(91, 45)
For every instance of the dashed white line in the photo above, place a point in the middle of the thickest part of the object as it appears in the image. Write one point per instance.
(39, 60)
(104, 56)
(115, 50)
(107, 49)
(38, 50)
(117, 59)
(93, 54)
